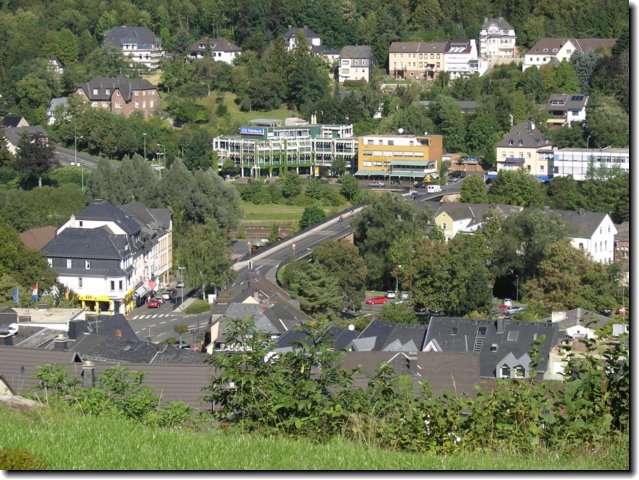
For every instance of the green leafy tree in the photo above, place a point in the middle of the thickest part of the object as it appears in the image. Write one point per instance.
(107, 61)
(292, 185)
(517, 187)
(397, 313)
(181, 43)
(338, 166)
(35, 158)
(34, 95)
(312, 214)
(317, 290)
(67, 46)
(206, 258)
(447, 117)
(608, 123)
(563, 193)
(473, 190)
(566, 79)
(350, 187)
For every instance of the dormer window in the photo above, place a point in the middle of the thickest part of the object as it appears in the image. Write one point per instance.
(511, 143)
(95, 91)
(493, 347)
(504, 372)
(108, 91)
(521, 142)
(554, 50)
(454, 331)
(87, 264)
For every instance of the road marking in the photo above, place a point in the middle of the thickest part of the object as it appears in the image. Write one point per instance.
(150, 326)
(136, 317)
(162, 323)
(154, 316)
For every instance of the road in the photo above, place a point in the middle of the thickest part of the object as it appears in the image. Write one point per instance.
(66, 156)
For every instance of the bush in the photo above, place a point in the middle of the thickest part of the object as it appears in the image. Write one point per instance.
(199, 306)
(20, 459)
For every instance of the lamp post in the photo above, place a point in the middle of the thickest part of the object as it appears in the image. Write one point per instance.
(181, 269)
(163, 152)
(144, 137)
(517, 287)
(75, 157)
(588, 141)
(399, 267)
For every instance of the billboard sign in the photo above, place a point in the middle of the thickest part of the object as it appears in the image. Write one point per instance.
(252, 131)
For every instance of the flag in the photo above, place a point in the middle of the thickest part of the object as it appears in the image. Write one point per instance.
(16, 295)
(66, 293)
(34, 293)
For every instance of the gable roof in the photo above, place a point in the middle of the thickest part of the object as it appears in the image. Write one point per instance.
(217, 44)
(323, 50)
(580, 223)
(341, 338)
(11, 121)
(126, 85)
(417, 47)
(549, 46)
(142, 36)
(474, 211)
(396, 337)
(152, 218)
(494, 341)
(591, 45)
(356, 51)
(292, 33)
(458, 46)
(13, 135)
(586, 318)
(86, 243)
(500, 22)
(623, 232)
(101, 210)
(566, 101)
(524, 135)
(37, 238)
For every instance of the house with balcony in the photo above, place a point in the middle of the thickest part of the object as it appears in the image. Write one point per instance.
(219, 49)
(525, 147)
(399, 157)
(139, 44)
(110, 258)
(580, 163)
(565, 108)
(461, 59)
(356, 63)
(556, 50)
(416, 60)
(121, 95)
(497, 39)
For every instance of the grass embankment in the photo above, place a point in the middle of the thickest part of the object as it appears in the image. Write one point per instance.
(69, 441)
(198, 306)
(236, 116)
(276, 214)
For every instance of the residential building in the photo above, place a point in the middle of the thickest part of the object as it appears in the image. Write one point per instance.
(109, 258)
(579, 323)
(37, 238)
(622, 243)
(137, 43)
(390, 337)
(555, 50)
(356, 63)
(525, 147)
(13, 136)
(453, 218)
(59, 104)
(465, 106)
(312, 38)
(54, 65)
(503, 345)
(13, 122)
(330, 56)
(564, 108)
(460, 59)
(580, 163)
(497, 39)
(416, 60)
(264, 150)
(592, 232)
(121, 95)
(219, 49)
(399, 156)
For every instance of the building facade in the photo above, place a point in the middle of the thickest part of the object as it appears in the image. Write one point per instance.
(121, 95)
(579, 163)
(312, 38)
(399, 156)
(219, 49)
(563, 109)
(497, 39)
(416, 60)
(461, 59)
(593, 232)
(555, 50)
(110, 258)
(266, 150)
(356, 63)
(525, 147)
(137, 43)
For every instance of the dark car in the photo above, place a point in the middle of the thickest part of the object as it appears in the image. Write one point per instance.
(169, 294)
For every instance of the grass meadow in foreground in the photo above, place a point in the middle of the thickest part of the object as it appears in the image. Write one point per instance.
(277, 213)
(67, 440)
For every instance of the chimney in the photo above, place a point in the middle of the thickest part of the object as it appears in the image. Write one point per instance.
(60, 343)
(531, 126)
(500, 325)
(76, 328)
(88, 374)
(557, 316)
(118, 333)
(512, 119)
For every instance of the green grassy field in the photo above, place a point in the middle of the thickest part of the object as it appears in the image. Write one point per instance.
(70, 441)
(270, 214)
(237, 116)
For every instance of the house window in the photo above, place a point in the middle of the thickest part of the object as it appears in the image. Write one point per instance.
(454, 331)
(581, 246)
(493, 347)
(504, 372)
(520, 372)
(541, 167)
(443, 226)
(112, 285)
(87, 264)
(95, 91)
(80, 282)
(391, 142)
(108, 91)
(118, 104)
(151, 104)
(50, 262)
(120, 285)
(69, 263)
(137, 105)
(370, 142)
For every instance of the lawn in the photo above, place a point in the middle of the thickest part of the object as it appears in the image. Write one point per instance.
(71, 441)
(271, 214)
(242, 118)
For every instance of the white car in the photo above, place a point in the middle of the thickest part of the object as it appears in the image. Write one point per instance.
(390, 294)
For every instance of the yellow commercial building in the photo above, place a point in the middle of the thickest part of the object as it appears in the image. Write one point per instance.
(399, 157)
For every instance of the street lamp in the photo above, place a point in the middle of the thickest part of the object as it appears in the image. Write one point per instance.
(75, 157)
(144, 137)
(399, 267)
(181, 269)
(163, 152)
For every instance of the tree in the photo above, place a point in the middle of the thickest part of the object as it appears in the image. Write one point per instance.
(566, 78)
(338, 166)
(584, 65)
(67, 46)
(36, 156)
(392, 312)
(447, 117)
(563, 193)
(181, 329)
(568, 279)
(292, 185)
(608, 123)
(350, 187)
(517, 187)
(317, 290)
(342, 260)
(473, 190)
(182, 43)
(197, 155)
(107, 61)
(312, 214)
(206, 257)
(34, 95)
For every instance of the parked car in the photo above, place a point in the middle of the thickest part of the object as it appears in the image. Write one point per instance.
(376, 184)
(403, 295)
(182, 345)
(169, 294)
(378, 300)
(180, 284)
(390, 294)
(433, 188)
(457, 174)
(153, 303)
(158, 299)
(514, 310)
(414, 195)
(420, 185)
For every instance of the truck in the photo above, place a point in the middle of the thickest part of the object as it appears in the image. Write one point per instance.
(433, 188)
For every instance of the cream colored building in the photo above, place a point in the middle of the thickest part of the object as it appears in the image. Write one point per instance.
(497, 39)
(525, 147)
(416, 60)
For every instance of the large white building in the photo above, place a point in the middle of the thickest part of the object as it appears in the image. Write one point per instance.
(460, 58)
(593, 232)
(497, 39)
(110, 257)
(578, 163)
(356, 63)
(219, 49)
(555, 50)
(137, 43)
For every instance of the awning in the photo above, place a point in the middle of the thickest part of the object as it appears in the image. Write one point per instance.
(410, 163)
(543, 178)
(367, 173)
(513, 160)
(492, 175)
(408, 174)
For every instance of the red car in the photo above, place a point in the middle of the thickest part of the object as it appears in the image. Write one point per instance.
(153, 303)
(378, 300)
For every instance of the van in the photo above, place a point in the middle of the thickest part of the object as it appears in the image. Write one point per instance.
(433, 188)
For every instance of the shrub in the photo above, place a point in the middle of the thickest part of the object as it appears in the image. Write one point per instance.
(20, 459)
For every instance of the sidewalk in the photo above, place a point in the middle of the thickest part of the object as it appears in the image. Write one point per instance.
(183, 306)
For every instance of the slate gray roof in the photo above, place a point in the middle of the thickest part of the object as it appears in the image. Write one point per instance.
(292, 33)
(474, 211)
(151, 218)
(217, 44)
(452, 371)
(102, 210)
(142, 36)
(356, 51)
(458, 46)
(500, 22)
(341, 338)
(126, 85)
(89, 243)
(523, 135)
(11, 121)
(623, 232)
(568, 101)
(583, 317)
(59, 101)
(396, 337)
(455, 334)
(323, 50)
(417, 47)
(579, 223)
(463, 104)
(584, 45)
(13, 135)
